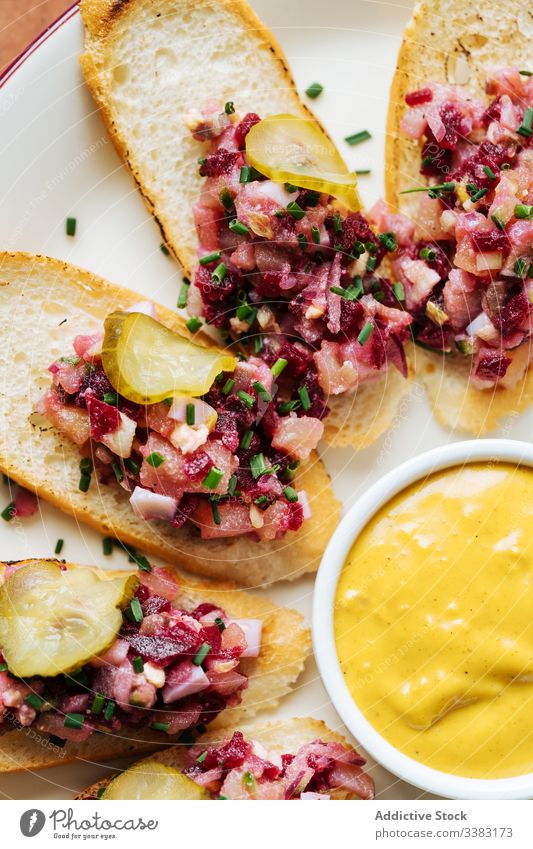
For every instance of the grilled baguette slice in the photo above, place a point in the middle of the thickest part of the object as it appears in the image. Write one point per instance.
(450, 41)
(146, 65)
(286, 643)
(285, 736)
(44, 304)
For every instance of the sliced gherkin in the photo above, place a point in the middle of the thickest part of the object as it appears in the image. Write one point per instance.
(154, 780)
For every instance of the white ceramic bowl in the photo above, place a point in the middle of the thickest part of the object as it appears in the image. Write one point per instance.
(432, 780)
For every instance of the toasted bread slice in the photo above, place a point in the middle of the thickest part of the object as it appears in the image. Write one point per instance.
(285, 645)
(44, 303)
(146, 67)
(283, 737)
(449, 41)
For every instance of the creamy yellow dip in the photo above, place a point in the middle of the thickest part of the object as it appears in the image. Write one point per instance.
(434, 621)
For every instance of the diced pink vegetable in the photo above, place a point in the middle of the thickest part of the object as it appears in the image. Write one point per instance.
(150, 505)
(184, 679)
(297, 436)
(252, 629)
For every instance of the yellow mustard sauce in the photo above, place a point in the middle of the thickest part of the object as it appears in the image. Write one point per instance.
(434, 621)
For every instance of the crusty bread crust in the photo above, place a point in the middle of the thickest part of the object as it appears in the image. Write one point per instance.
(285, 736)
(448, 41)
(49, 302)
(285, 645)
(256, 76)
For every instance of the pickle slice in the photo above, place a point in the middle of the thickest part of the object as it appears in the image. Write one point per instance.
(153, 780)
(54, 621)
(146, 362)
(295, 150)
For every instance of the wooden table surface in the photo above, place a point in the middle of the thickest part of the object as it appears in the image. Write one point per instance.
(22, 20)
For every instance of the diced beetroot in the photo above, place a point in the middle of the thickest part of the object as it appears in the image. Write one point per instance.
(436, 160)
(103, 418)
(230, 755)
(26, 503)
(211, 705)
(268, 284)
(513, 314)
(493, 111)
(455, 126)
(219, 163)
(155, 604)
(197, 465)
(226, 430)
(355, 228)
(421, 95)
(186, 508)
(203, 609)
(95, 380)
(491, 365)
(163, 650)
(243, 128)
(210, 634)
(184, 679)
(430, 334)
(490, 240)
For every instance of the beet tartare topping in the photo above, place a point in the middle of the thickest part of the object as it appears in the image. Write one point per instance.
(169, 670)
(468, 270)
(244, 769)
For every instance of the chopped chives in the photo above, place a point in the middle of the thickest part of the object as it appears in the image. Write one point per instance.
(294, 209)
(352, 292)
(71, 226)
(337, 223)
(160, 726)
(219, 273)
(57, 741)
(365, 332)
(291, 470)
(74, 720)
(212, 257)
(290, 188)
(303, 395)
(164, 250)
(358, 249)
(262, 391)
(237, 226)
(362, 171)
(220, 624)
(136, 610)
(520, 267)
(302, 240)
(34, 701)
(190, 414)
(314, 90)
(193, 324)
(315, 234)
(523, 210)
(213, 478)
(290, 494)
(132, 466)
(232, 485)
(498, 221)
(489, 172)
(3, 667)
(289, 406)
(155, 459)
(444, 187)
(478, 195)
(98, 703)
(107, 546)
(86, 466)
(398, 291)
(216, 512)
(258, 344)
(263, 499)
(228, 386)
(183, 296)
(525, 127)
(428, 254)
(226, 199)
(357, 138)
(246, 174)
(138, 664)
(247, 399)
(229, 108)
(117, 469)
(246, 440)
(526, 73)
(371, 263)
(85, 482)
(100, 792)
(389, 241)
(257, 466)
(201, 654)
(201, 758)
(278, 366)
(59, 546)
(109, 710)
(142, 562)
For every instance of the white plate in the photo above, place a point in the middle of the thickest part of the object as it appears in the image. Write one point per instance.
(56, 161)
